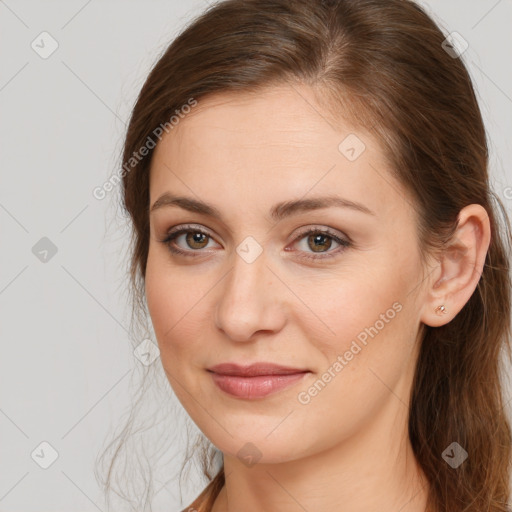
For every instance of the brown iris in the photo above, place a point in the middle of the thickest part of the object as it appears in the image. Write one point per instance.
(195, 237)
(317, 244)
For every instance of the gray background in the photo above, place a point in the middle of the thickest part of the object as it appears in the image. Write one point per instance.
(64, 323)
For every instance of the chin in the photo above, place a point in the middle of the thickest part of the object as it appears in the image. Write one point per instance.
(255, 445)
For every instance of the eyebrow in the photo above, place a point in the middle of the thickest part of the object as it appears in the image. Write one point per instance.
(277, 213)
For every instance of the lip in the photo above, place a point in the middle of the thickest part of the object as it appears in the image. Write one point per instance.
(255, 369)
(256, 380)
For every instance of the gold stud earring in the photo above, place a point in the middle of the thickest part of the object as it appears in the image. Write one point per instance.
(440, 309)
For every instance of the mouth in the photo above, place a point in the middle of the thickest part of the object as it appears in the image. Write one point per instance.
(256, 380)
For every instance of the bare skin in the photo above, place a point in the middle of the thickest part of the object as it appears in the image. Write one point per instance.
(346, 443)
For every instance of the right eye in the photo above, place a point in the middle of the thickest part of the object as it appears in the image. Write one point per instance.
(194, 237)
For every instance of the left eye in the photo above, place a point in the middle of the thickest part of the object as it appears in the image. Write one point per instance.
(316, 239)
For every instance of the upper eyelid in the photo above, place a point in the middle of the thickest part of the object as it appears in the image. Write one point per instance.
(184, 228)
(200, 227)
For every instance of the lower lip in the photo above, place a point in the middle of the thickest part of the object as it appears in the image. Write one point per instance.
(255, 387)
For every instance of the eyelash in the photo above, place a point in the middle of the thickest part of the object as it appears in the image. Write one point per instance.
(345, 244)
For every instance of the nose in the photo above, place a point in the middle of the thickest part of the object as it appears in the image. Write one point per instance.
(250, 300)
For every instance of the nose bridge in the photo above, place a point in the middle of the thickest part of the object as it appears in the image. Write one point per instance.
(245, 279)
(249, 268)
(248, 300)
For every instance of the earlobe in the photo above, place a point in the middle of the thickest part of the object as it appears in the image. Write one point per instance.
(441, 310)
(461, 265)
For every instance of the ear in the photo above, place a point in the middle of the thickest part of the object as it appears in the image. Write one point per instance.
(459, 267)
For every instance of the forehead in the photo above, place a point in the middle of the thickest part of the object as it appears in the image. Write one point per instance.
(276, 115)
(263, 145)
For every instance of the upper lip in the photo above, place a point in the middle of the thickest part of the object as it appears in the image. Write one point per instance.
(255, 369)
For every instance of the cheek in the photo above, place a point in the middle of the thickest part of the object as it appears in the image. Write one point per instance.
(370, 353)
(176, 306)
(367, 316)
(346, 302)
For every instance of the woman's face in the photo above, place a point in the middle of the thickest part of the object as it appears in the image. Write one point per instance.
(256, 287)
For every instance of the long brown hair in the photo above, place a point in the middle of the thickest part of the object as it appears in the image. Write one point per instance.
(382, 65)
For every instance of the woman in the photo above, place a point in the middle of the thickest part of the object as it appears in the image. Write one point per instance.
(322, 258)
